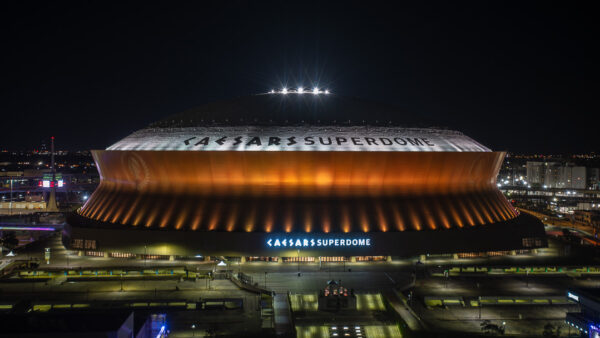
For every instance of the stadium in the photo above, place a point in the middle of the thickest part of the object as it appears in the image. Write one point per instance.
(293, 174)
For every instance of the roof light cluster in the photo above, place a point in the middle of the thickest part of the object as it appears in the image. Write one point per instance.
(300, 90)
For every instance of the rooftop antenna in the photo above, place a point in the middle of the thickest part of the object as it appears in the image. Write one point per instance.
(51, 206)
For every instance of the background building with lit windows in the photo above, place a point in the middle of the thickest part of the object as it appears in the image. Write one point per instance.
(298, 174)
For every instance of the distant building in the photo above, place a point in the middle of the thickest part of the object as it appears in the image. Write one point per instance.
(573, 178)
(585, 321)
(535, 172)
(588, 217)
(562, 176)
(593, 178)
(107, 323)
(553, 174)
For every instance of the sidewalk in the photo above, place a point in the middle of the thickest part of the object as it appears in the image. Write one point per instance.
(400, 306)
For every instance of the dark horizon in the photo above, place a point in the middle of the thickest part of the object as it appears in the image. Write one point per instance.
(512, 77)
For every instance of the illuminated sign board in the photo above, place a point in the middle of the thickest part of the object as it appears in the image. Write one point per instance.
(312, 242)
(573, 296)
(298, 138)
(47, 182)
(50, 184)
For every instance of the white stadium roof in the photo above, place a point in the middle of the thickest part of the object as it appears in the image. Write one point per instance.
(298, 138)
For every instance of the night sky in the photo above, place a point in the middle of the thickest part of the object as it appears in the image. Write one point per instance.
(514, 76)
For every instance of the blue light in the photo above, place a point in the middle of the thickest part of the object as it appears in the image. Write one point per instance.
(161, 332)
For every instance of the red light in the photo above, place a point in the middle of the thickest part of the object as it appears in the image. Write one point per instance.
(40, 184)
(51, 184)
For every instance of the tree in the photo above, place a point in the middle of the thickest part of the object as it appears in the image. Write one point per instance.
(551, 331)
(493, 329)
(548, 330)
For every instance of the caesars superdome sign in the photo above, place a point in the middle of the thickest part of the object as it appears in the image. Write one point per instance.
(297, 138)
(259, 141)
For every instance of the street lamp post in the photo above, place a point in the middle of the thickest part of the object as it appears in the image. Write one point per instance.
(446, 279)
(265, 280)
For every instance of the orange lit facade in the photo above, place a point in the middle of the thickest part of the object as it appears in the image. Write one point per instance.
(298, 191)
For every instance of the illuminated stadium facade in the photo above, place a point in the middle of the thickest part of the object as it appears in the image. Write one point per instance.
(293, 174)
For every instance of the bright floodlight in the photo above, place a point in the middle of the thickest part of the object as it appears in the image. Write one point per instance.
(326, 91)
(300, 90)
(315, 90)
(284, 91)
(272, 91)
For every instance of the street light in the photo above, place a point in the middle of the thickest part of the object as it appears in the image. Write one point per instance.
(446, 280)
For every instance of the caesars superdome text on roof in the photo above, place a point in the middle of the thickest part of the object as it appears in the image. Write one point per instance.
(298, 138)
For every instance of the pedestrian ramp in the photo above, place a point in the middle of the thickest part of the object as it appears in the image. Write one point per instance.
(283, 316)
(437, 301)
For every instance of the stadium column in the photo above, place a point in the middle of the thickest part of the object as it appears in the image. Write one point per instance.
(242, 259)
(171, 258)
(388, 259)
(353, 259)
(106, 255)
